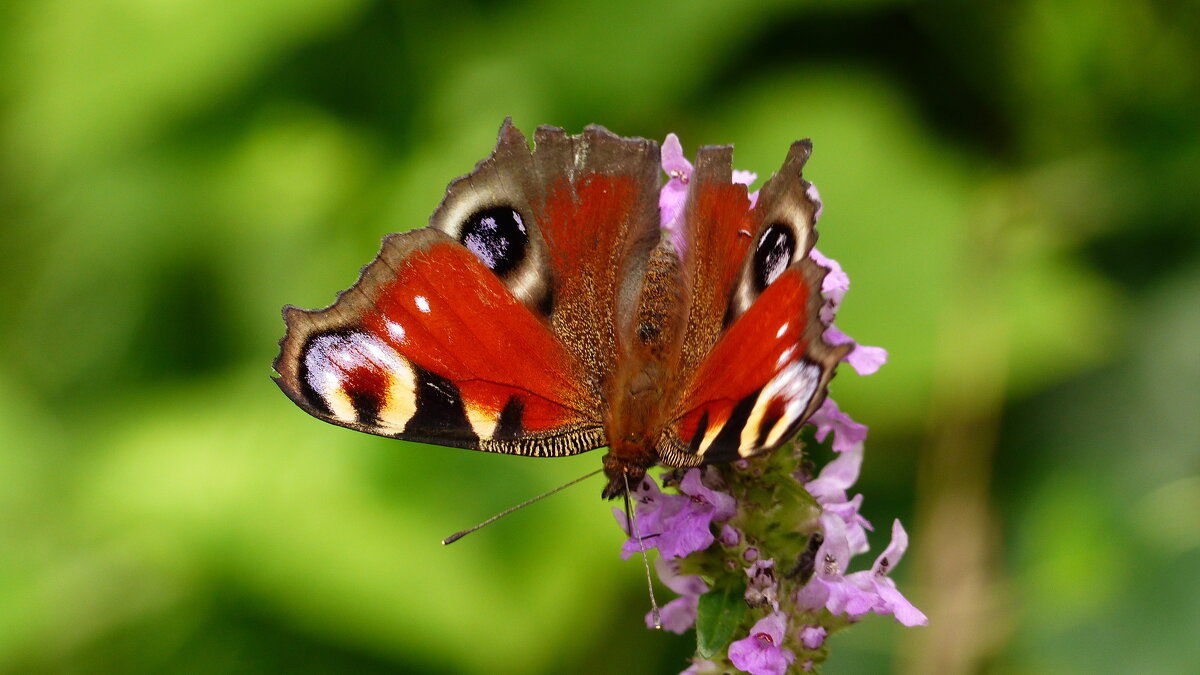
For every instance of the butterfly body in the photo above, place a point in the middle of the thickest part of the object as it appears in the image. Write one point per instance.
(546, 311)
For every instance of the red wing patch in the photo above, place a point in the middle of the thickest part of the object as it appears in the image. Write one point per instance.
(719, 227)
(759, 382)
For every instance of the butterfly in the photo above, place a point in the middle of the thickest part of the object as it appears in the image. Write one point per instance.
(545, 311)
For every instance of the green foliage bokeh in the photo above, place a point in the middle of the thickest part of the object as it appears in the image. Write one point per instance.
(1011, 186)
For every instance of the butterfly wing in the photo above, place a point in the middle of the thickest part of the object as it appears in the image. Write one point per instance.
(477, 332)
(755, 364)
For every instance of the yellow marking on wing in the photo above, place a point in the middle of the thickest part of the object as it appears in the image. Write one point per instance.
(340, 405)
(401, 403)
(483, 422)
(710, 435)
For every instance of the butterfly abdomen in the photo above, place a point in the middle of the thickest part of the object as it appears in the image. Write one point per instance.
(644, 386)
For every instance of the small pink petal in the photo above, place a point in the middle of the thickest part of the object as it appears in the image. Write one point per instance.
(899, 606)
(673, 159)
(891, 555)
(813, 636)
(846, 432)
(831, 484)
(837, 282)
(864, 360)
(744, 177)
(760, 652)
(867, 360)
(677, 616)
(729, 536)
(834, 555)
(703, 667)
(724, 506)
(815, 198)
(856, 525)
(673, 195)
(683, 584)
(761, 585)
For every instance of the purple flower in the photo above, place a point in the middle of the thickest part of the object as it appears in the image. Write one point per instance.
(679, 614)
(846, 432)
(834, 288)
(760, 653)
(673, 195)
(746, 178)
(829, 489)
(888, 599)
(829, 587)
(676, 524)
(690, 528)
(652, 506)
(813, 637)
(856, 525)
(730, 537)
(815, 197)
(865, 360)
(722, 506)
(761, 586)
(831, 484)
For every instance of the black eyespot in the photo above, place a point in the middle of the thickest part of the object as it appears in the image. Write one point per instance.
(774, 254)
(497, 237)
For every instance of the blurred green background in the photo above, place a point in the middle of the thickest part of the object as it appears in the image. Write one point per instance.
(1011, 185)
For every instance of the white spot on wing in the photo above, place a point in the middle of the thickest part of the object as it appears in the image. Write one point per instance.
(785, 356)
(422, 303)
(795, 386)
(396, 331)
(782, 329)
(330, 359)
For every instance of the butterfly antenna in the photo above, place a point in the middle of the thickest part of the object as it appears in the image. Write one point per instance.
(631, 517)
(459, 535)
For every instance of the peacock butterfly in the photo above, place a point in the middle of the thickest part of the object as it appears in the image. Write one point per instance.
(546, 312)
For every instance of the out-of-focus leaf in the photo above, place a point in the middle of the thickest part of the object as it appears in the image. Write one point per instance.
(718, 614)
(93, 78)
